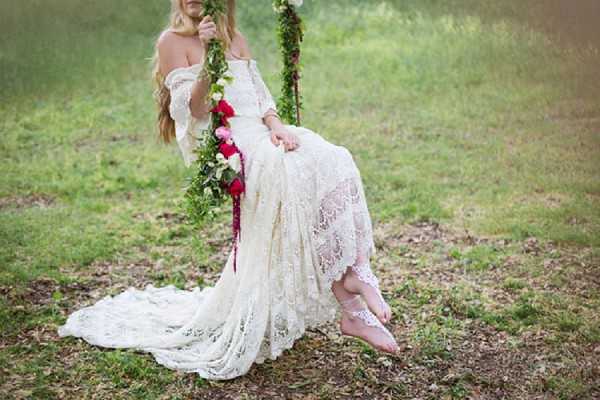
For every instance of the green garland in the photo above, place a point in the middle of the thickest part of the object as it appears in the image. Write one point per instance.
(203, 194)
(290, 33)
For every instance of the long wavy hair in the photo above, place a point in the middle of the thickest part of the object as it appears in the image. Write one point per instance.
(185, 25)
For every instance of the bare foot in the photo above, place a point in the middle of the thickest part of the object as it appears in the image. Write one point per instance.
(375, 336)
(370, 294)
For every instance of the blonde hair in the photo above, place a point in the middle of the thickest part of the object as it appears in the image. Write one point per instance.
(183, 24)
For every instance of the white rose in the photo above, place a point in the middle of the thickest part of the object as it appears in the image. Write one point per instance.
(221, 158)
(217, 96)
(296, 3)
(235, 162)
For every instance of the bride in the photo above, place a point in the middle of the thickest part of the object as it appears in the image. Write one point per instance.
(306, 234)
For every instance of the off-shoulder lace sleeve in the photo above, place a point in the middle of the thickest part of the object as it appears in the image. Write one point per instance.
(265, 100)
(179, 82)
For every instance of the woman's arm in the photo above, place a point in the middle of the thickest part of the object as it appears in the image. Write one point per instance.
(271, 119)
(279, 133)
(199, 105)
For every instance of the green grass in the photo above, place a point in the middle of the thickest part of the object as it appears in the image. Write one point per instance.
(479, 257)
(437, 138)
(455, 112)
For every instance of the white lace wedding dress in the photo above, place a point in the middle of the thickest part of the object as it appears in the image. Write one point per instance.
(304, 221)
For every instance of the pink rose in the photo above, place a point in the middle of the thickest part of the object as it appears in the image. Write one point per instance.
(223, 133)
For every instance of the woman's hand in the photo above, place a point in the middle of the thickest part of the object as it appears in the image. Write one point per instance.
(289, 140)
(207, 29)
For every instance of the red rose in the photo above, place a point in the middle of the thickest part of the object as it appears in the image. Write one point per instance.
(224, 108)
(236, 187)
(228, 149)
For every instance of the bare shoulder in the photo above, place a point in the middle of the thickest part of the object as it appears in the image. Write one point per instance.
(172, 51)
(169, 40)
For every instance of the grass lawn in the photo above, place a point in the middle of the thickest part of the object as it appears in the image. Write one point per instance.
(477, 138)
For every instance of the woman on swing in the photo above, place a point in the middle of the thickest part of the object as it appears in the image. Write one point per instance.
(306, 235)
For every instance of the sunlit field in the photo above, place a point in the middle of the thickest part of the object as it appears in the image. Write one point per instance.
(477, 136)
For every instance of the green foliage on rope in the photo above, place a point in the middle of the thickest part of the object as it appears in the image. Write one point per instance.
(204, 195)
(290, 32)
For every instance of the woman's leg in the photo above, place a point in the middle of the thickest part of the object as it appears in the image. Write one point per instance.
(344, 242)
(340, 292)
(347, 204)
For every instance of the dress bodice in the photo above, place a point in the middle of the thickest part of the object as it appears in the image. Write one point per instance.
(247, 93)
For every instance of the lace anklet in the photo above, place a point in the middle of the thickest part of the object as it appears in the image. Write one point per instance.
(364, 314)
(364, 273)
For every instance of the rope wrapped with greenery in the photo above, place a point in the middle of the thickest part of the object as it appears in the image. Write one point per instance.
(204, 194)
(290, 32)
(219, 163)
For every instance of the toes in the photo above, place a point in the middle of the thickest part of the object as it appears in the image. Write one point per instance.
(385, 316)
(390, 348)
(385, 347)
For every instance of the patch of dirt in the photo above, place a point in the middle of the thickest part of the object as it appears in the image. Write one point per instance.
(37, 292)
(423, 252)
(32, 200)
(172, 217)
(103, 278)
